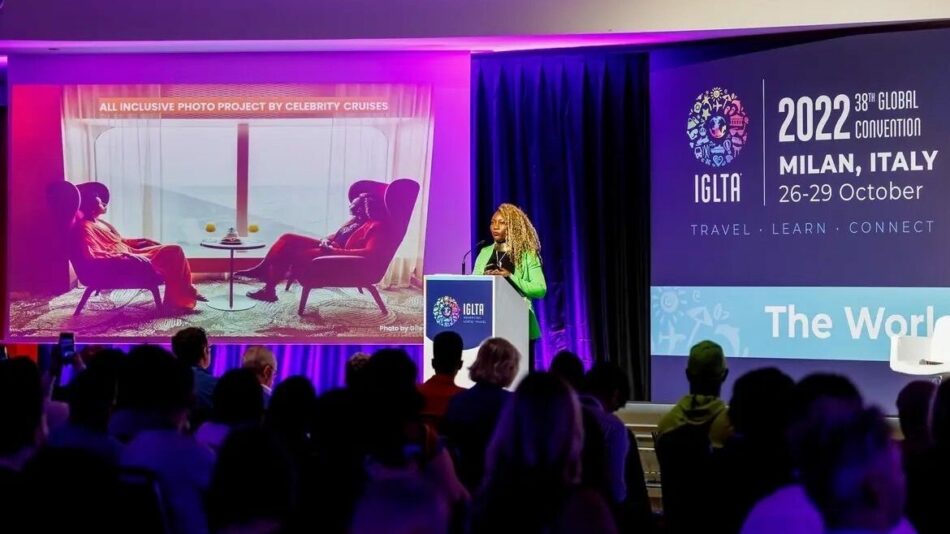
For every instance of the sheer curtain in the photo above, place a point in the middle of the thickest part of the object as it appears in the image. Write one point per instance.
(409, 156)
(122, 153)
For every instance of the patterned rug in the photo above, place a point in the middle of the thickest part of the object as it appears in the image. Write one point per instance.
(332, 315)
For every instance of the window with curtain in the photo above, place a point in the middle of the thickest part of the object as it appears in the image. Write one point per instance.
(299, 173)
(169, 180)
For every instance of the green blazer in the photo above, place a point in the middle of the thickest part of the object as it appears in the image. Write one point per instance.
(527, 277)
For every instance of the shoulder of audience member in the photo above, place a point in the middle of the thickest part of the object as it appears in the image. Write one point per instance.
(585, 510)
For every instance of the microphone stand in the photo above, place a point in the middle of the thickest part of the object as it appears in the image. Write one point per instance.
(480, 244)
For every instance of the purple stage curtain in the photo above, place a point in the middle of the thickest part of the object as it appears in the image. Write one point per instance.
(563, 135)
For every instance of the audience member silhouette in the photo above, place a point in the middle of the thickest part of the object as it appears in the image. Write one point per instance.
(685, 438)
(91, 401)
(438, 390)
(262, 362)
(397, 440)
(253, 486)
(926, 468)
(191, 346)
(238, 402)
(533, 466)
(135, 394)
(290, 415)
(755, 460)
(354, 368)
(611, 457)
(940, 418)
(21, 413)
(21, 431)
(914, 408)
(788, 510)
(71, 490)
(291, 420)
(851, 470)
(336, 478)
(401, 506)
(604, 391)
(182, 466)
(568, 367)
(706, 371)
(472, 414)
(391, 432)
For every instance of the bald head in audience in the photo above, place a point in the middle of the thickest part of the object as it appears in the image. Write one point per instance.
(261, 360)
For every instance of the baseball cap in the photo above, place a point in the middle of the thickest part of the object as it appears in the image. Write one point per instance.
(706, 359)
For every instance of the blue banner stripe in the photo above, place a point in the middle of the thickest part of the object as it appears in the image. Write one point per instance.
(833, 323)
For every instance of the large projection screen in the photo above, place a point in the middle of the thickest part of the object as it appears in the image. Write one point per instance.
(327, 165)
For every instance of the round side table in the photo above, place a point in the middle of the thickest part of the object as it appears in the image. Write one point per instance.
(232, 303)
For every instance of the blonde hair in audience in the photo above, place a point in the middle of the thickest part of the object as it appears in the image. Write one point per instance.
(496, 363)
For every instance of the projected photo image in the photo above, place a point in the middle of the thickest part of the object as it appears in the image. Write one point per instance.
(292, 212)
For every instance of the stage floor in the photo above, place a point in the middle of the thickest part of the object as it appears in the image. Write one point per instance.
(332, 314)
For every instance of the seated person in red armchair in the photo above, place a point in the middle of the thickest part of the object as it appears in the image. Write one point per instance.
(358, 237)
(97, 239)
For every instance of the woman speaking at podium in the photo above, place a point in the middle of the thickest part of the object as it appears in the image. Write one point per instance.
(516, 255)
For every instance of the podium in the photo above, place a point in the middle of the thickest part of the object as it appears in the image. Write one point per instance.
(476, 307)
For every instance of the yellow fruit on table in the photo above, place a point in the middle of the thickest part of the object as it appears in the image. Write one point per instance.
(210, 228)
(253, 228)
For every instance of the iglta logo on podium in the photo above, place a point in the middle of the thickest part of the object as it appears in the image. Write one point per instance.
(446, 311)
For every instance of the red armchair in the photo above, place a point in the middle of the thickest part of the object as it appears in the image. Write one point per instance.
(99, 274)
(364, 271)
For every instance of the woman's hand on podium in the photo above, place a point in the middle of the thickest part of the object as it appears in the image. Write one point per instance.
(498, 272)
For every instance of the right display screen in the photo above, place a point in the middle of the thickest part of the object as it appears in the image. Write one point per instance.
(800, 197)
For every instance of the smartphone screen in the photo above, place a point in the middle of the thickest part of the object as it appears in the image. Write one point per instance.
(67, 346)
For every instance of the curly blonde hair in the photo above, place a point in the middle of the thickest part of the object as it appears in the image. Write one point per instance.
(522, 237)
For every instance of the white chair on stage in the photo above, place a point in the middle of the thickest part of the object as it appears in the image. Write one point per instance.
(923, 356)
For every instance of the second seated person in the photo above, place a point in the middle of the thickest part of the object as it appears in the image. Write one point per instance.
(358, 236)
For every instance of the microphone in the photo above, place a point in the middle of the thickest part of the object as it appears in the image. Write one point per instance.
(480, 244)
